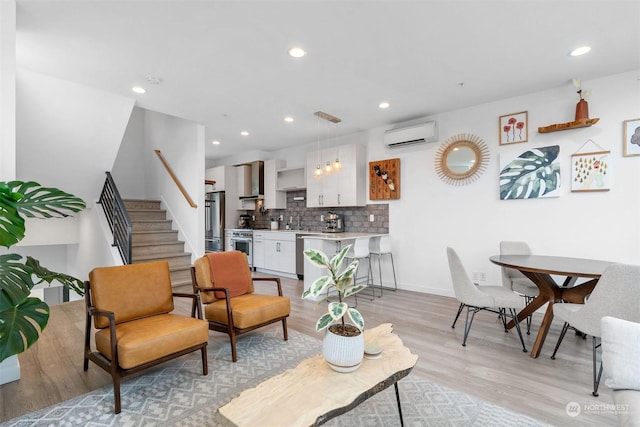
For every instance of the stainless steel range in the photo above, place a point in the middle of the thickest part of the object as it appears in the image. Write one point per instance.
(242, 240)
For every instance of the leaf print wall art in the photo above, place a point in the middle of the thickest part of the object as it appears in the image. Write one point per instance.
(513, 128)
(590, 171)
(533, 174)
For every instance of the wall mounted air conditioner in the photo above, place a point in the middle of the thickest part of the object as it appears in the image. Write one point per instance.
(418, 134)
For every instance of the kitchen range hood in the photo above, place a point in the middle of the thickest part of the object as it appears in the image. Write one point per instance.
(253, 185)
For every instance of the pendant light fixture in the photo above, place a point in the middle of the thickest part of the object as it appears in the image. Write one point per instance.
(317, 173)
(329, 167)
(337, 166)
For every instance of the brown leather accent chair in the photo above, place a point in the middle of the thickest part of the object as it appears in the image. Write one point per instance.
(131, 307)
(225, 286)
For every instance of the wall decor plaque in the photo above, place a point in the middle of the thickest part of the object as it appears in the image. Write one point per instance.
(384, 179)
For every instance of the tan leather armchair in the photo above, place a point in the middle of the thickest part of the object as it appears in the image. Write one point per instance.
(225, 286)
(131, 308)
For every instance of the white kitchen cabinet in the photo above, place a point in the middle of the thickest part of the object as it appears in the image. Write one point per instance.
(279, 251)
(344, 188)
(243, 179)
(273, 198)
(258, 249)
(291, 179)
(216, 174)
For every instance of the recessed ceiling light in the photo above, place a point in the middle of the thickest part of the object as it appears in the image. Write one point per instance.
(288, 119)
(244, 133)
(215, 142)
(138, 89)
(384, 105)
(580, 50)
(297, 52)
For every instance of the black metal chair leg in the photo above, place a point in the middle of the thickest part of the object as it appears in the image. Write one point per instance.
(527, 300)
(596, 379)
(564, 331)
(467, 324)
(457, 315)
(514, 316)
(503, 317)
(393, 268)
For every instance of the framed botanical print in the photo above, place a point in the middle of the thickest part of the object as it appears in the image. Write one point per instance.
(631, 140)
(513, 128)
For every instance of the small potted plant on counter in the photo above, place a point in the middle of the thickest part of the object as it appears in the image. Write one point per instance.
(343, 344)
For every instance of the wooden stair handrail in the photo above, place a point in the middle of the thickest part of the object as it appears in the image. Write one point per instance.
(175, 179)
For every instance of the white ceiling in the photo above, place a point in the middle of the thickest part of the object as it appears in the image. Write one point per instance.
(224, 64)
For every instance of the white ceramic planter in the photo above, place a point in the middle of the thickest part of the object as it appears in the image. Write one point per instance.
(9, 370)
(343, 354)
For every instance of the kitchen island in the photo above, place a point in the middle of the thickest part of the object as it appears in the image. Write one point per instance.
(330, 244)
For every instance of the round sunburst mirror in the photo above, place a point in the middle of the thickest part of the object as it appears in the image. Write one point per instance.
(461, 159)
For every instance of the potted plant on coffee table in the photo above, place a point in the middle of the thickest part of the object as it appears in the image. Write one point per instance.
(343, 344)
(22, 317)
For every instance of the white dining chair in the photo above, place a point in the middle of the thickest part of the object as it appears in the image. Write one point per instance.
(381, 246)
(514, 279)
(497, 299)
(616, 294)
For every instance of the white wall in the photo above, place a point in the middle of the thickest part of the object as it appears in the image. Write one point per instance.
(182, 145)
(68, 134)
(67, 137)
(94, 244)
(127, 171)
(7, 90)
(432, 214)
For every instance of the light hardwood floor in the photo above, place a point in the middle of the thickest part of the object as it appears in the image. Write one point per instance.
(492, 366)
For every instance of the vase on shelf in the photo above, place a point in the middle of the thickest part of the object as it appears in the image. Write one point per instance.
(582, 110)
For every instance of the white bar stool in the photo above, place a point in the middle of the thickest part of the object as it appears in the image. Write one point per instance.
(380, 246)
(360, 251)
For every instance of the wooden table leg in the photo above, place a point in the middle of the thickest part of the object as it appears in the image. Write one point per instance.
(399, 407)
(542, 332)
(549, 292)
(537, 302)
(577, 294)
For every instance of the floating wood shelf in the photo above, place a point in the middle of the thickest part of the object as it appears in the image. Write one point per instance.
(566, 126)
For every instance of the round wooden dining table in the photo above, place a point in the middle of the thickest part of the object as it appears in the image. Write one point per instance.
(539, 269)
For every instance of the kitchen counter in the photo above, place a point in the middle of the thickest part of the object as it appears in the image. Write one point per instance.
(330, 244)
(339, 236)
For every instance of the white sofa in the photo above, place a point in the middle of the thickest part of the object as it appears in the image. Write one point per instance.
(621, 360)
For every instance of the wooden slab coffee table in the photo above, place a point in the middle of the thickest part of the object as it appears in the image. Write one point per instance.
(312, 393)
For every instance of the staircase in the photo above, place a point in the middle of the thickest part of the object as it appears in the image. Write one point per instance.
(154, 239)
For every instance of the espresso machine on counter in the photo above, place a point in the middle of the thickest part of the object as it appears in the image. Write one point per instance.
(244, 221)
(333, 223)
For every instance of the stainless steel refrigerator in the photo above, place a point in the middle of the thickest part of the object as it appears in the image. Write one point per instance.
(214, 222)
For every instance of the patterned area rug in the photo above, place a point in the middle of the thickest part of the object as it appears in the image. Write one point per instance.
(177, 394)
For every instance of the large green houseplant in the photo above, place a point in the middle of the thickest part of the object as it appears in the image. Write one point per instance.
(343, 345)
(22, 317)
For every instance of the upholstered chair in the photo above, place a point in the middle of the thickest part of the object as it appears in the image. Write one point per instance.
(476, 298)
(231, 305)
(617, 294)
(131, 308)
